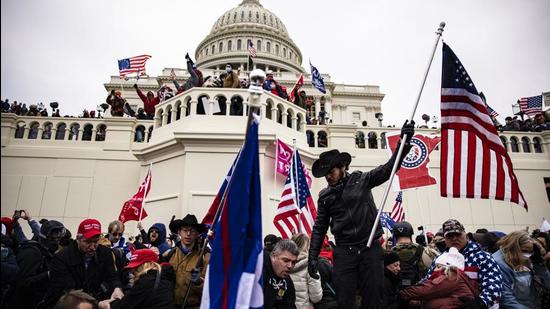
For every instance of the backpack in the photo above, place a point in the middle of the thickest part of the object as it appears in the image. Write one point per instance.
(410, 272)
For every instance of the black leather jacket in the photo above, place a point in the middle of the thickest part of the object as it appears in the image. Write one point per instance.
(349, 209)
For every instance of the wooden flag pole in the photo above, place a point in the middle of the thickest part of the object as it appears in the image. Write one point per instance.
(402, 144)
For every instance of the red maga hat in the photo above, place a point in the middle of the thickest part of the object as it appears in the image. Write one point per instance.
(141, 256)
(89, 228)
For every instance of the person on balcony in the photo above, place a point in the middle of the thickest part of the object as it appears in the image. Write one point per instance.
(116, 101)
(149, 102)
(195, 80)
(231, 79)
(272, 86)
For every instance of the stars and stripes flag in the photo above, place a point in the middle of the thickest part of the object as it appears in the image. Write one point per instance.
(492, 112)
(251, 49)
(531, 106)
(397, 212)
(296, 212)
(474, 163)
(132, 65)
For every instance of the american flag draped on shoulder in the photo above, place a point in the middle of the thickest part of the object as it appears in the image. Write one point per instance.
(132, 65)
(296, 212)
(531, 106)
(474, 163)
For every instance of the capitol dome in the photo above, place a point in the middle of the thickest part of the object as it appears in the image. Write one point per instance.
(229, 36)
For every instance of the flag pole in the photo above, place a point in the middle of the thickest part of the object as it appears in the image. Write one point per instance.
(402, 144)
(276, 163)
(254, 107)
(146, 192)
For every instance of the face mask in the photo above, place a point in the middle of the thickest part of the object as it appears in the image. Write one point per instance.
(441, 246)
(228, 70)
(527, 255)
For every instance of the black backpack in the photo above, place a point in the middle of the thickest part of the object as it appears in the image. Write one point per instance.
(410, 273)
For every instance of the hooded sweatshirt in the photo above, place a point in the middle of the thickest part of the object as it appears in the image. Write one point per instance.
(160, 243)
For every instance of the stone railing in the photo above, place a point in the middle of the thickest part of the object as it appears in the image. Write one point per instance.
(322, 136)
(228, 102)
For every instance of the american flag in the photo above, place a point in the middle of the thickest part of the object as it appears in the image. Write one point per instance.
(132, 65)
(397, 212)
(251, 49)
(531, 106)
(474, 163)
(491, 111)
(296, 212)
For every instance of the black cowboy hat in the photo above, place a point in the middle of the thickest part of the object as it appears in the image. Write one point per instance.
(189, 220)
(329, 159)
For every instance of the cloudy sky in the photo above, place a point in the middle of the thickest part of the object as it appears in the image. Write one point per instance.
(64, 50)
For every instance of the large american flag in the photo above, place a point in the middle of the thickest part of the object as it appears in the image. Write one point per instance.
(531, 106)
(251, 49)
(296, 212)
(132, 65)
(397, 212)
(474, 163)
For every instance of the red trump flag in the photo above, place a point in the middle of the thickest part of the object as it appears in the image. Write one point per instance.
(414, 170)
(132, 208)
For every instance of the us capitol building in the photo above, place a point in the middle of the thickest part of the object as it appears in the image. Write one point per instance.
(72, 168)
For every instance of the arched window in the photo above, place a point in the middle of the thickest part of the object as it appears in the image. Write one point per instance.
(220, 49)
(87, 133)
(47, 133)
(168, 114)
(60, 134)
(259, 45)
(284, 52)
(360, 139)
(525, 144)
(268, 110)
(206, 52)
(73, 134)
(310, 138)
(277, 49)
(20, 130)
(229, 45)
(372, 140)
(213, 49)
(280, 110)
(101, 133)
(537, 145)
(504, 142)
(236, 106)
(383, 140)
(33, 133)
(290, 54)
(289, 116)
(268, 47)
(239, 43)
(150, 134)
(514, 144)
(322, 141)
(139, 136)
(299, 120)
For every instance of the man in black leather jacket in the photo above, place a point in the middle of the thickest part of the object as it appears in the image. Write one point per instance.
(347, 206)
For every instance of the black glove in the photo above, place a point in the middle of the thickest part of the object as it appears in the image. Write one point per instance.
(313, 268)
(536, 258)
(408, 130)
(135, 86)
(476, 303)
(195, 275)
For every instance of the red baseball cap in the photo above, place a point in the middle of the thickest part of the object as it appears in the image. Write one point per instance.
(8, 222)
(141, 256)
(89, 228)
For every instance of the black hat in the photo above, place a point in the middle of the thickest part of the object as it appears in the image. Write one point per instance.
(189, 220)
(50, 226)
(402, 228)
(390, 258)
(329, 159)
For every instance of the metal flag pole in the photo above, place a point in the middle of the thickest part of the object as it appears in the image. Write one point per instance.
(402, 145)
(257, 78)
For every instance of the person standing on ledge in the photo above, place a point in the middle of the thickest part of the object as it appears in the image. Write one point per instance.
(347, 206)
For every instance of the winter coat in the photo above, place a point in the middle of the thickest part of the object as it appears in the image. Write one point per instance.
(9, 272)
(279, 293)
(20, 235)
(392, 283)
(183, 265)
(308, 290)
(482, 268)
(144, 294)
(33, 259)
(518, 288)
(160, 243)
(68, 272)
(231, 80)
(349, 209)
(148, 105)
(195, 79)
(442, 292)
(116, 103)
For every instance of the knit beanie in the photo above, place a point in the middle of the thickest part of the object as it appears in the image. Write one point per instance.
(390, 258)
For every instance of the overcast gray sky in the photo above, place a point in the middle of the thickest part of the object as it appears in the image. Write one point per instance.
(64, 50)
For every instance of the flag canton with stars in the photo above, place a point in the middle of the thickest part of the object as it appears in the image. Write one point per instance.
(399, 198)
(455, 75)
(124, 64)
(531, 105)
(300, 185)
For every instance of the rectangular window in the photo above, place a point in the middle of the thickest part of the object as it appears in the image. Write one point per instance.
(356, 117)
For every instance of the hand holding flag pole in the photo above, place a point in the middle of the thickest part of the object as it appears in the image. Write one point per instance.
(402, 145)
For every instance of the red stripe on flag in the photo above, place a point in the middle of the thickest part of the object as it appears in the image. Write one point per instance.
(486, 176)
(499, 194)
(471, 172)
(456, 163)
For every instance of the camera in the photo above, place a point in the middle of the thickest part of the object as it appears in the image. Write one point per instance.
(420, 228)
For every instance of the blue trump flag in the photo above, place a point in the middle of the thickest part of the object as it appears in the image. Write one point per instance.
(386, 221)
(233, 277)
(317, 79)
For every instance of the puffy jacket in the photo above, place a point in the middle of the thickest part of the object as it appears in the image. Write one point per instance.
(518, 288)
(160, 243)
(481, 267)
(144, 294)
(308, 290)
(349, 209)
(441, 292)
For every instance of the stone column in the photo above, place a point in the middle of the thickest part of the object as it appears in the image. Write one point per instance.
(183, 110)
(164, 118)
(67, 133)
(283, 118)
(94, 135)
(227, 107)
(274, 113)
(317, 107)
(80, 133)
(54, 133)
(40, 132)
(174, 112)
(263, 111)
(294, 122)
(328, 109)
(27, 132)
(245, 105)
(157, 120)
(193, 107)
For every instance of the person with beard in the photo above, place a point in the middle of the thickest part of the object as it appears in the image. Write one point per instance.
(34, 258)
(83, 265)
(185, 258)
(392, 281)
(155, 237)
